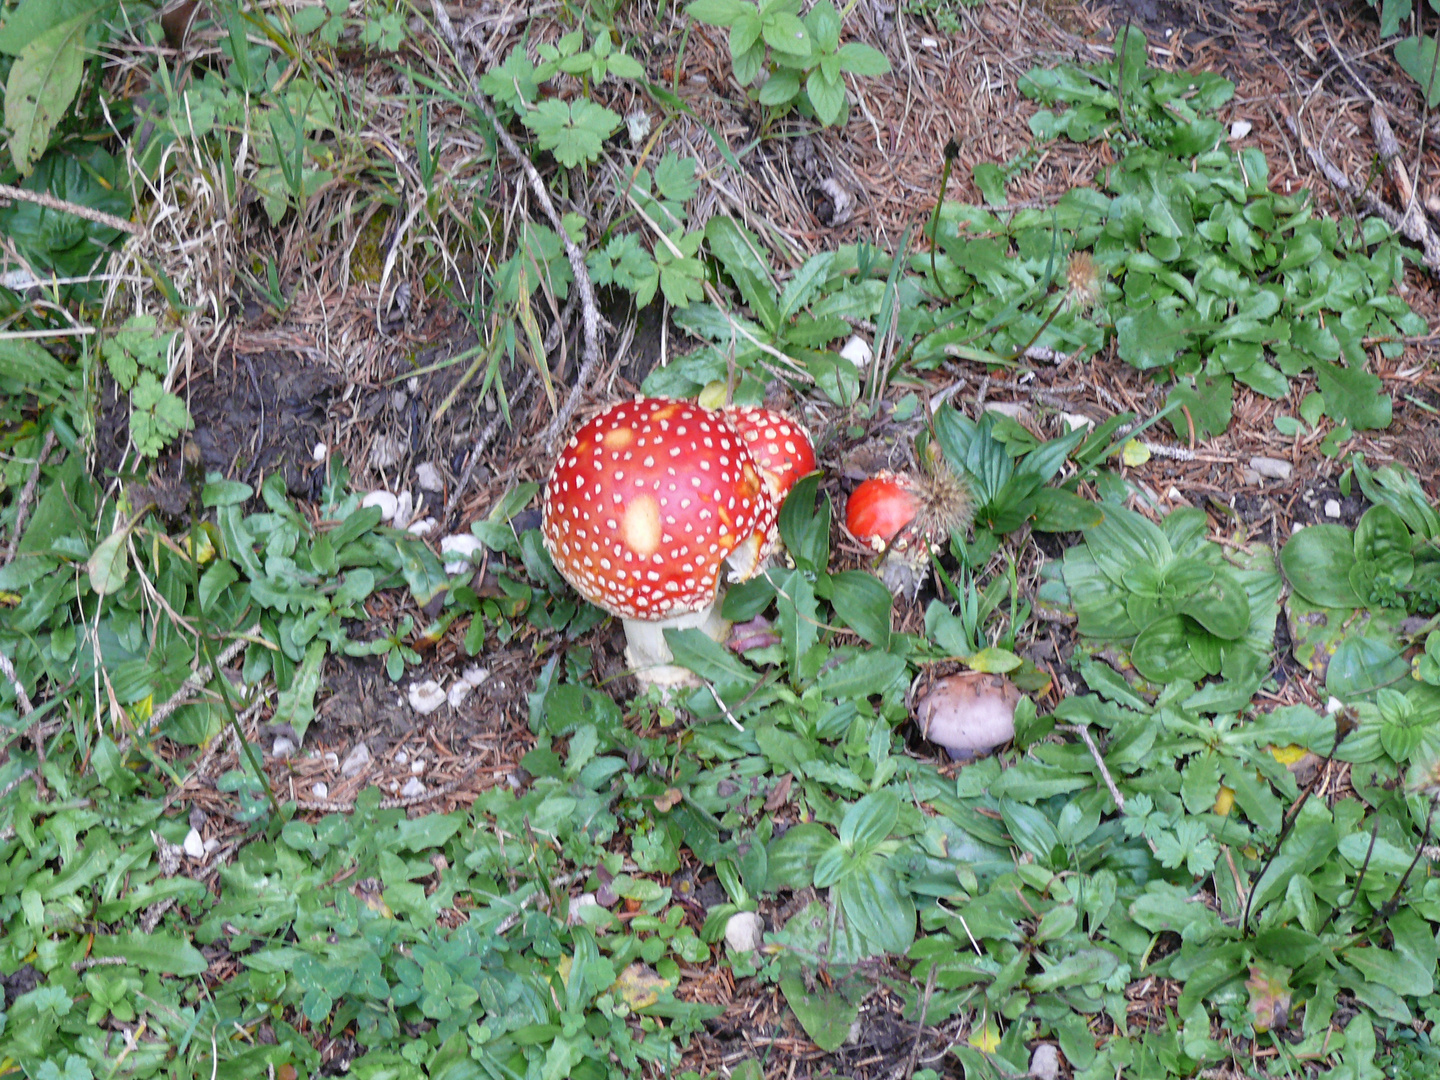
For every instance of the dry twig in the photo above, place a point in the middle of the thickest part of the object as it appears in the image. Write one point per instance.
(50, 202)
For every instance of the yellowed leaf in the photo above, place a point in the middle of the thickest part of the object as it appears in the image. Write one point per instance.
(639, 985)
(1134, 453)
(1288, 755)
(1224, 801)
(986, 1037)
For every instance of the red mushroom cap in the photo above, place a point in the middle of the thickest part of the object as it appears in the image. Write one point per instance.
(881, 508)
(780, 446)
(646, 502)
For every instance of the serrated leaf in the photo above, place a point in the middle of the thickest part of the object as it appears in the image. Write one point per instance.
(573, 132)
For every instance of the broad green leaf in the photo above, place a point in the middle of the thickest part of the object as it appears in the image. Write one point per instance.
(157, 951)
(1416, 56)
(109, 564)
(876, 908)
(296, 705)
(1317, 562)
(861, 59)
(863, 603)
(1152, 337)
(785, 33)
(27, 363)
(42, 83)
(869, 821)
(825, 1015)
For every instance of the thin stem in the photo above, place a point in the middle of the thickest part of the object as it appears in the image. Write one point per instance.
(952, 151)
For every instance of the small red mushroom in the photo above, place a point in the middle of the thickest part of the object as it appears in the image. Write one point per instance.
(907, 516)
(782, 449)
(646, 505)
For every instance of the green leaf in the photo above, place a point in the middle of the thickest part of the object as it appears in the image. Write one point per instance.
(869, 821)
(109, 564)
(574, 132)
(876, 908)
(719, 12)
(42, 83)
(157, 951)
(823, 22)
(296, 705)
(827, 96)
(1317, 561)
(798, 617)
(785, 33)
(1208, 400)
(1416, 57)
(863, 603)
(1152, 337)
(825, 1014)
(860, 59)
(1353, 396)
(31, 18)
(27, 363)
(741, 254)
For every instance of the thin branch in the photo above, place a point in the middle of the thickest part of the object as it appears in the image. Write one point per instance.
(50, 202)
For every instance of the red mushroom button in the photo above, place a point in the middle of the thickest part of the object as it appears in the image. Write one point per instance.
(644, 507)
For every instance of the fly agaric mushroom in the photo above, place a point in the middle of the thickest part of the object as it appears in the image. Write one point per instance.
(781, 448)
(645, 507)
(906, 516)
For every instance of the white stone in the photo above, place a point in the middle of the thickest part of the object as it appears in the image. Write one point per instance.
(1015, 410)
(428, 477)
(1075, 421)
(417, 766)
(332, 759)
(462, 545)
(404, 509)
(212, 845)
(401, 757)
(929, 43)
(413, 788)
(744, 931)
(394, 786)
(1332, 508)
(425, 697)
(320, 452)
(194, 846)
(1272, 468)
(282, 747)
(459, 691)
(579, 904)
(385, 501)
(355, 761)
(1045, 1062)
(321, 790)
(474, 675)
(858, 351)
(1240, 128)
(422, 526)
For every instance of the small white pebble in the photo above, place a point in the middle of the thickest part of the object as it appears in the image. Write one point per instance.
(404, 509)
(1332, 508)
(319, 453)
(401, 757)
(394, 785)
(212, 845)
(384, 500)
(425, 697)
(282, 747)
(412, 788)
(321, 790)
(474, 675)
(857, 350)
(355, 761)
(1240, 128)
(1076, 421)
(1272, 468)
(428, 477)
(1045, 1063)
(929, 43)
(459, 691)
(744, 931)
(332, 759)
(462, 545)
(194, 846)
(417, 766)
(422, 526)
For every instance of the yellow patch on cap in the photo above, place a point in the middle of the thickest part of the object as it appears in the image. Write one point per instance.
(618, 438)
(640, 527)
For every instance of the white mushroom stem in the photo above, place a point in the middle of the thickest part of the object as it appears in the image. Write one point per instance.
(648, 655)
